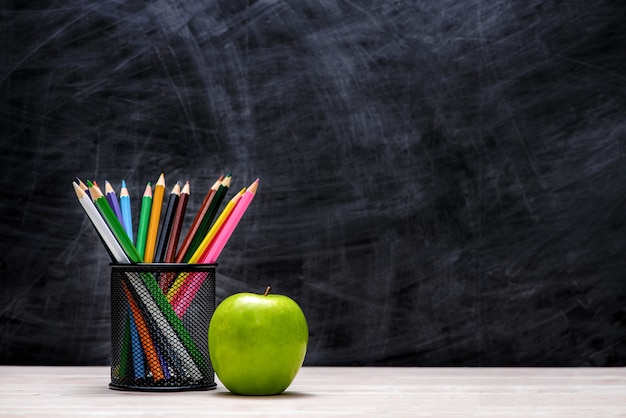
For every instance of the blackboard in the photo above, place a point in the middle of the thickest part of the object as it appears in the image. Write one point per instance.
(442, 183)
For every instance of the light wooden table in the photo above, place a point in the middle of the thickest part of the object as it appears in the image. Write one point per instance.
(325, 391)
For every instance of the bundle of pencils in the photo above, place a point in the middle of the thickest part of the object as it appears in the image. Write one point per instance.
(158, 234)
(162, 299)
(156, 238)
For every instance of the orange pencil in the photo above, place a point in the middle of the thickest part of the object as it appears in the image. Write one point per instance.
(146, 341)
(155, 217)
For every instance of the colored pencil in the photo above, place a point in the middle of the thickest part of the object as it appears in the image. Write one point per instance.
(144, 220)
(138, 364)
(177, 224)
(184, 297)
(208, 217)
(116, 227)
(155, 218)
(219, 222)
(127, 216)
(233, 220)
(127, 221)
(113, 247)
(146, 340)
(113, 202)
(197, 220)
(82, 185)
(164, 366)
(166, 226)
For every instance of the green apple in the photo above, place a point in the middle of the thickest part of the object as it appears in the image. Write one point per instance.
(257, 342)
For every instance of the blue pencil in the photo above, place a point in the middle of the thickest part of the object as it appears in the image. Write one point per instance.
(127, 217)
(138, 363)
(127, 220)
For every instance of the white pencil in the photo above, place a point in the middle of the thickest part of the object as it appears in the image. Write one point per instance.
(107, 236)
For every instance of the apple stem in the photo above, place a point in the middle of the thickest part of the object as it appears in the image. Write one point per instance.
(267, 291)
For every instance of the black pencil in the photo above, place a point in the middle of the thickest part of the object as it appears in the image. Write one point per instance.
(166, 226)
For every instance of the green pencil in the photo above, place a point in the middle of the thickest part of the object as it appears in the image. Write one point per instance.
(144, 220)
(116, 227)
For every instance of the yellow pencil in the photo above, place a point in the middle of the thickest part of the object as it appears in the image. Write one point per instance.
(155, 217)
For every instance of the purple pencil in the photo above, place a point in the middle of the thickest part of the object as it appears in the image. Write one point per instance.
(113, 202)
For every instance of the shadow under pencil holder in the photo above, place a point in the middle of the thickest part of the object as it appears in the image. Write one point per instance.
(160, 314)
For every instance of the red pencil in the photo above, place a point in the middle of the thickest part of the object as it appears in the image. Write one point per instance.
(177, 224)
(197, 221)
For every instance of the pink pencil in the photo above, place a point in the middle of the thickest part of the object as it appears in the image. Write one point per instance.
(184, 296)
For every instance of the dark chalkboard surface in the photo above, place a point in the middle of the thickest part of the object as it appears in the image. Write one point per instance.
(443, 183)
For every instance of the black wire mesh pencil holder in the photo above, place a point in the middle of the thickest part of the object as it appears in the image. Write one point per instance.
(160, 314)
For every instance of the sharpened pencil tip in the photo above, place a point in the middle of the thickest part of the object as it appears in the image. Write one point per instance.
(108, 188)
(79, 192)
(148, 190)
(254, 186)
